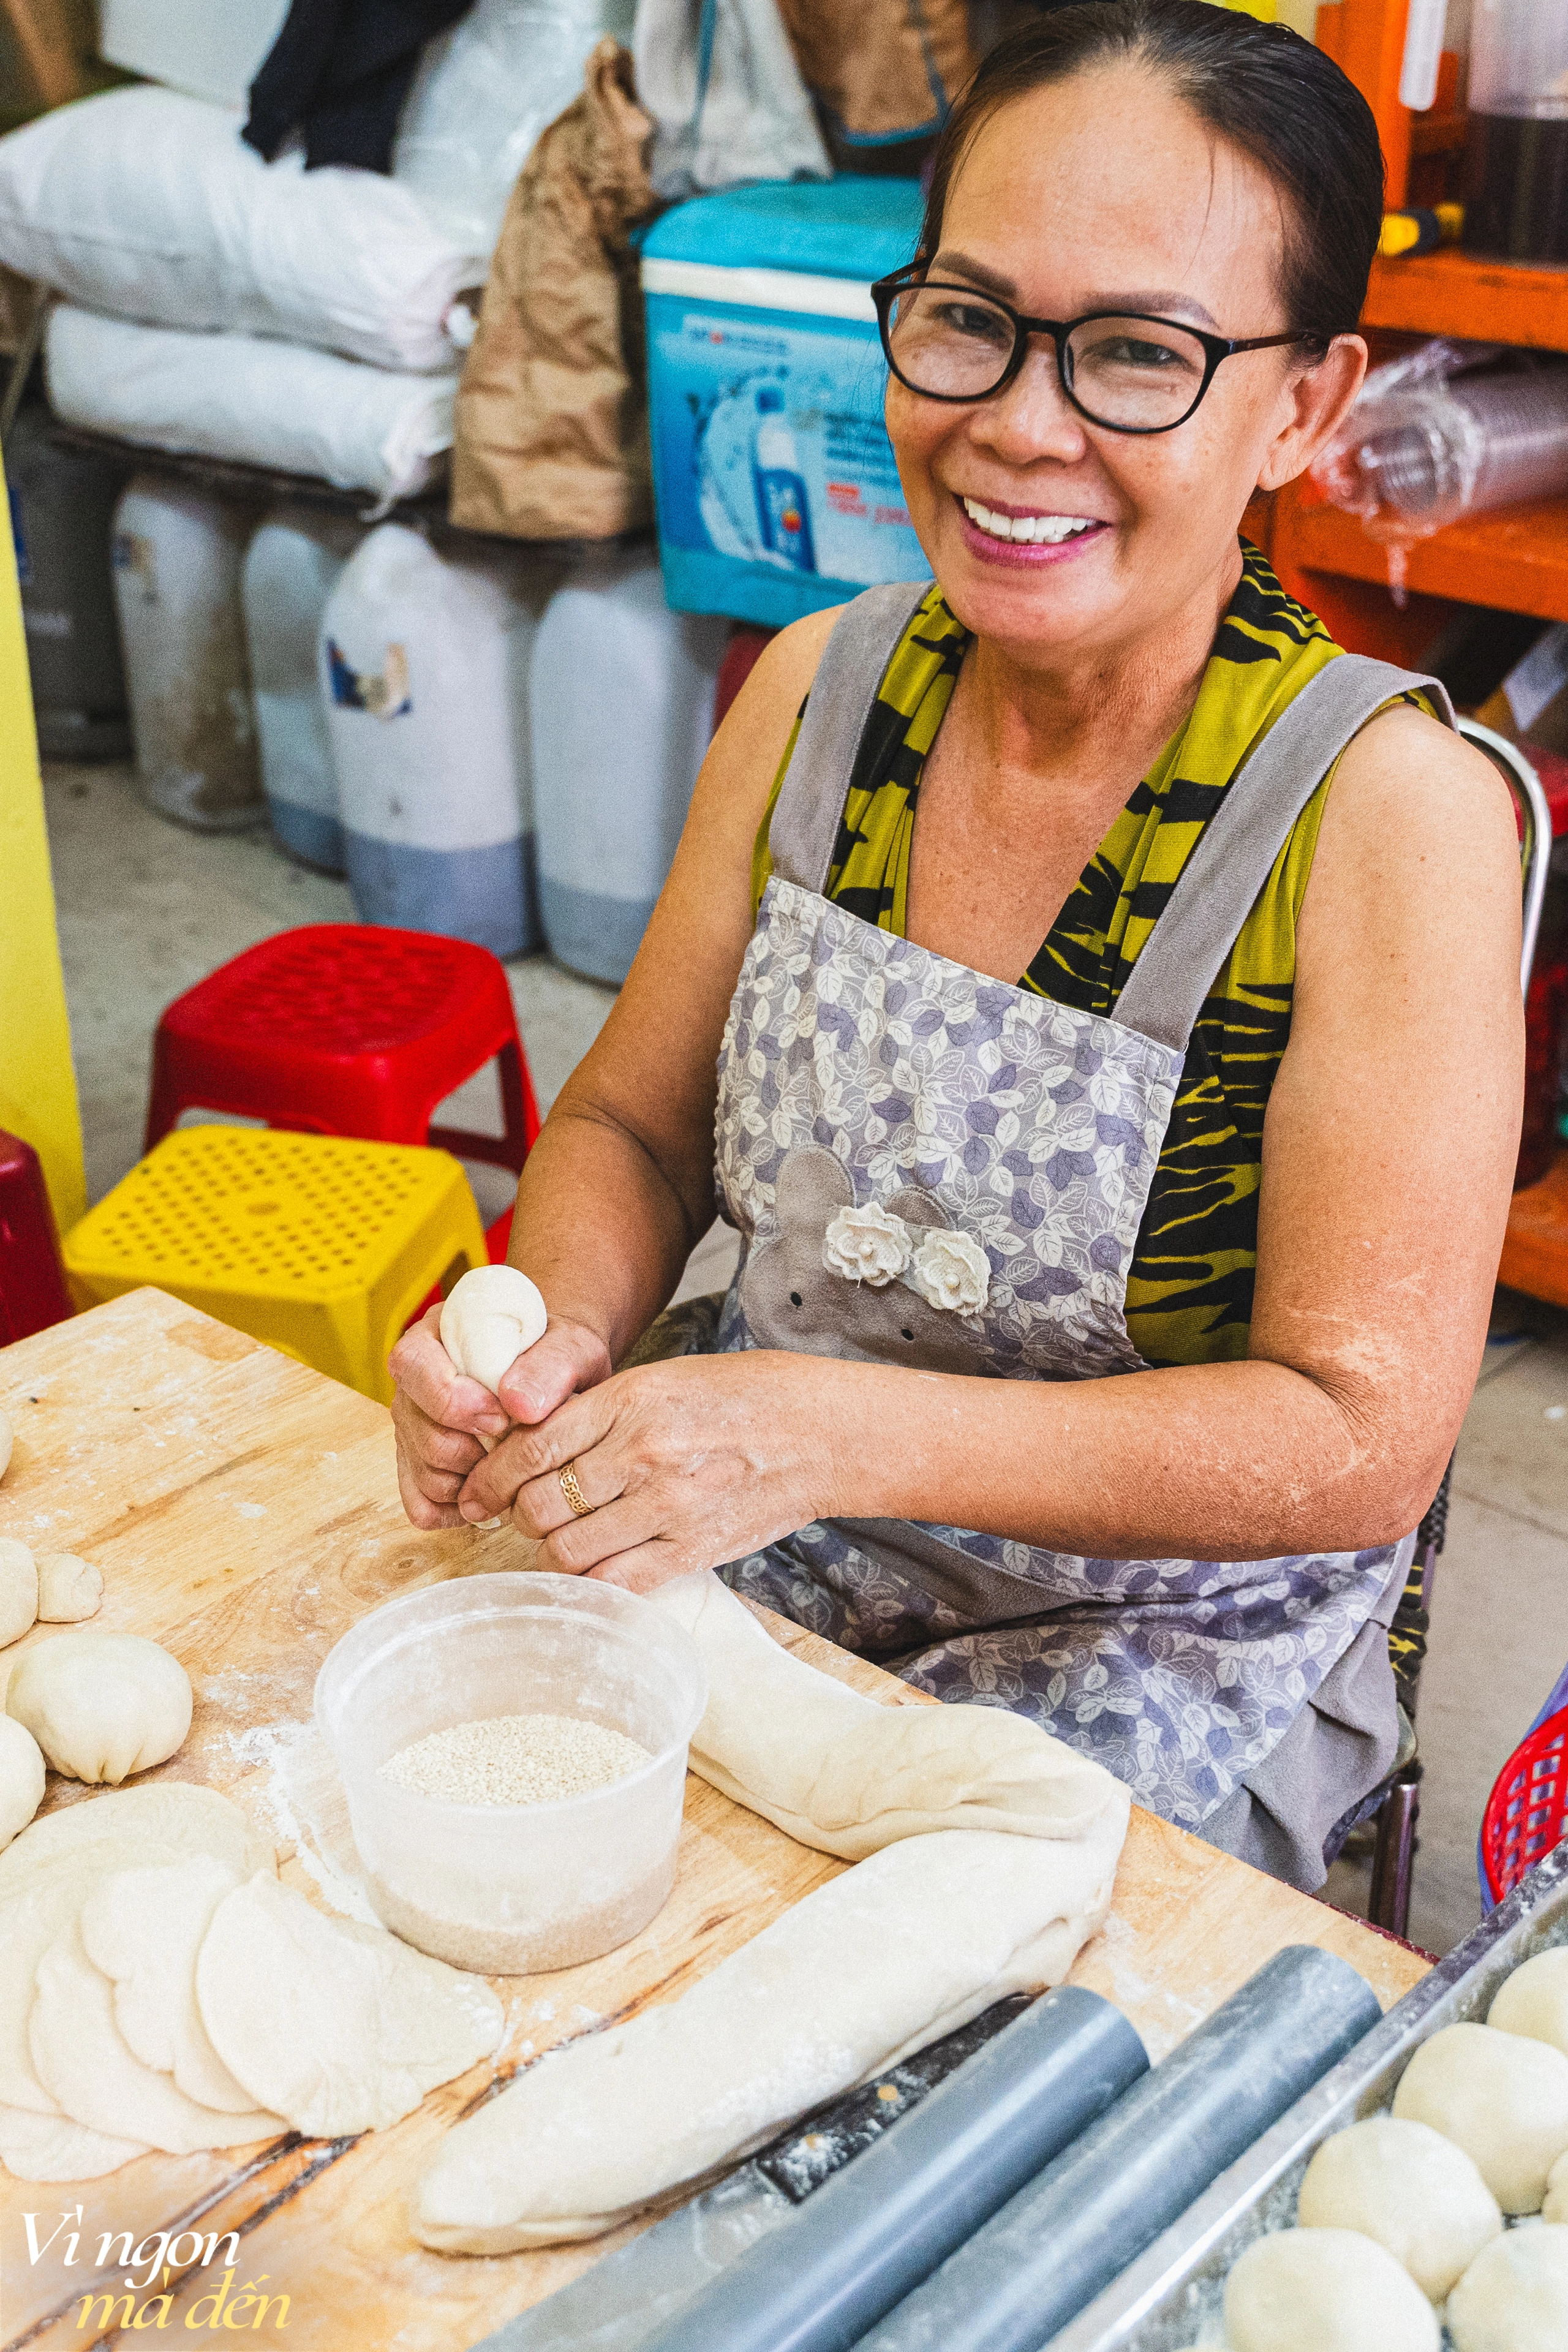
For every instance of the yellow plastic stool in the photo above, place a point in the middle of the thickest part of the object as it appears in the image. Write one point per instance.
(320, 1246)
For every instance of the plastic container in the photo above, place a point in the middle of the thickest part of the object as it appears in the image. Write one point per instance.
(290, 570)
(622, 707)
(423, 671)
(176, 556)
(62, 514)
(1516, 149)
(773, 477)
(511, 1890)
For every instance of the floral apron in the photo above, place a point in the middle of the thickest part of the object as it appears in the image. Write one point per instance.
(928, 1166)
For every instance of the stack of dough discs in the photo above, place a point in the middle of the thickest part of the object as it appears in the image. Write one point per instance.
(1325, 2291)
(1501, 2098)
(1401, 2183)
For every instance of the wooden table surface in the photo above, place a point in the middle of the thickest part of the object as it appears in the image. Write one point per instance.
(244, 1512)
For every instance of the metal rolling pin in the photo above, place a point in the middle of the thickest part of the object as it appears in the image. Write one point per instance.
(1073, 2229)
(884, 2223)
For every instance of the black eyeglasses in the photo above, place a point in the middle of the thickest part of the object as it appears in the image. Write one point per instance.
(1124, 369)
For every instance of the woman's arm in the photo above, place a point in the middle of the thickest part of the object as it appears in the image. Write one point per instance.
(1388, 1155)
(619, 1186)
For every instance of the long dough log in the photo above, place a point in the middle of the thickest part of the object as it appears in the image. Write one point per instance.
(909, 1946)
(842, 1773)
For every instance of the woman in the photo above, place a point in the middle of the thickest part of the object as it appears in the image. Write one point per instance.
(1242, 1132)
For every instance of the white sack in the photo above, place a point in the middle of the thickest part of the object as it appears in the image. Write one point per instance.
(239, 396)
(754, 119)
(213, 48)
(483, 93)
(149, 205)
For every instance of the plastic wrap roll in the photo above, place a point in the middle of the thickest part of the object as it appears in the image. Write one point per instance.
(883, 2224)
(1052, 2248)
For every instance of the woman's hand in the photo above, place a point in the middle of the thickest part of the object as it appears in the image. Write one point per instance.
(687, 1464)
(441, 1417)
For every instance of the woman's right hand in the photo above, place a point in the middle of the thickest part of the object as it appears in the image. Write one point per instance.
(441, 1417)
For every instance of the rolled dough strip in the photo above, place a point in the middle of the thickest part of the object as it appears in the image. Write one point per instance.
(51, 2147)
(83, 2062)
(142, 1929)
(338, 2026)
(909, 1946)
(840, 1772)
(178, 1814)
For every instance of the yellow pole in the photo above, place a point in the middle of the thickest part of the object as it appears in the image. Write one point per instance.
(37, 1084)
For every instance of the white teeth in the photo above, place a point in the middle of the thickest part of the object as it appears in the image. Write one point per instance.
(1026, 530)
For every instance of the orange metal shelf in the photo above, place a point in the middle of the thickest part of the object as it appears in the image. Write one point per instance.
(1459, 294)
(1535, 1254)
(1514, 558)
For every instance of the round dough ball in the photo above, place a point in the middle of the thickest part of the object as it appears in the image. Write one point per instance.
(492, 1315)
(69, 1589)
(1534, 2000)
(19, 1589)
(21, 1778)
(7, 1441)
(1411, 2189)
(101, 1705)
(1514, 2296)
(1502, 2099)
(1325, 2291)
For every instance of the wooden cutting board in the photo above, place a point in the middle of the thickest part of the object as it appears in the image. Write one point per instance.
(244, 1511)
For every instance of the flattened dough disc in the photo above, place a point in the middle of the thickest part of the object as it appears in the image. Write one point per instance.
(142, 1929)
(338, 2026)
(86, 2068)
(51, 2147)
(175, 1813)
(30, 1919)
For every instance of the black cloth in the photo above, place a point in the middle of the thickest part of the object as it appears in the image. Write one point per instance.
(339, 71)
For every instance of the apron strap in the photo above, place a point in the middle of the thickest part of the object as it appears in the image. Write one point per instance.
(854, 662)
(1203, 918)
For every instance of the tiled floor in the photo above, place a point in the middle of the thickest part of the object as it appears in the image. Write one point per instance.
(145, 909)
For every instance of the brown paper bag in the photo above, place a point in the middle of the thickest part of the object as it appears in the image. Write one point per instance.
(551, 425)
(883, 71)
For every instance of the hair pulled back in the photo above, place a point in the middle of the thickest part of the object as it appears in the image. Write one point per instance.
(1259, 85)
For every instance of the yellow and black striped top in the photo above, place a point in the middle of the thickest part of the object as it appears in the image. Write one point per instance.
(1189, 1291)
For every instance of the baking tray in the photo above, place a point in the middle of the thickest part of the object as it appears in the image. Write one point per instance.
(1170, 2299)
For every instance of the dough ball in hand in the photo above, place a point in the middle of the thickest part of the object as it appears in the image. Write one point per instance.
(492, 1316)
(1502, 2099)
(1514, 2296)
(1325, 2291)
(21, 1779)
(19, 1589)
(1534, 2000)
(1404, 2184)
(102, 1705)
(69, 1589)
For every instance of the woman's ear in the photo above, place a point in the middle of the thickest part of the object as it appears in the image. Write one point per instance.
(1317, 404)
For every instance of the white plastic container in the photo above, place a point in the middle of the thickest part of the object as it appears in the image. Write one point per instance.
(290, 570)
(176, 557)
(424, 678)
(623, 711)
(513, 1889)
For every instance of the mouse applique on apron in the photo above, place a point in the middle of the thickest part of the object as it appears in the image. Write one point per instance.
(928, 1166)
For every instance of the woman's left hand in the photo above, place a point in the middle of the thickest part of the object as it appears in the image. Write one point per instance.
(685, 1463)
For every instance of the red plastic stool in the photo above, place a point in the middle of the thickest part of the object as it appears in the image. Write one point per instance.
(349, 1030)
(1527, 1813)
(32, 1293)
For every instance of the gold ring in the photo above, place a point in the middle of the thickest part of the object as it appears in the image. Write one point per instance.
(581, 1507)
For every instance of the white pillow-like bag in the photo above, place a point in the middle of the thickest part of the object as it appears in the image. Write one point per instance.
(147, 203)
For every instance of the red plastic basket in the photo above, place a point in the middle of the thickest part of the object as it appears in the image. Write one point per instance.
(1527, 1813)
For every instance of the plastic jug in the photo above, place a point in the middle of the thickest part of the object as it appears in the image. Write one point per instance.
(176, 555)
(290, 571)
(623, 711)
(62, 513)
(424, 669)
(1516, 147)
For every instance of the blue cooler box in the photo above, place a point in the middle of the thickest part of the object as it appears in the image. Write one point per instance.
(773, 478)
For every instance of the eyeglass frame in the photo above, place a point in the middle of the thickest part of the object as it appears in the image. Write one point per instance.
(1216, 348)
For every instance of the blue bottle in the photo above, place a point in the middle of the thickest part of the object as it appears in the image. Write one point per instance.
(780, 492)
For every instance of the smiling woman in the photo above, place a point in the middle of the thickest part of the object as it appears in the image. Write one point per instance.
(1103, 992)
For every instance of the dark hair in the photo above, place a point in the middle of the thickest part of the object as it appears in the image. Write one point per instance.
(1260, 86)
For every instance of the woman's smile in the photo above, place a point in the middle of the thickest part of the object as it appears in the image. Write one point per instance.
(996, 533)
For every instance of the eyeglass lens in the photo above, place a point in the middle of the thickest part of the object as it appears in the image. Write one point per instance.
(1121, 372)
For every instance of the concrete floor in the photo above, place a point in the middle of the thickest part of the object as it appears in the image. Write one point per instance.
(146, 909)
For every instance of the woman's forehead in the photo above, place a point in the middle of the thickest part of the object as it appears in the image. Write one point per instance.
(1110, 181)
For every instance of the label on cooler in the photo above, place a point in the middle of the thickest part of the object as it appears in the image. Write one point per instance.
(770, 445)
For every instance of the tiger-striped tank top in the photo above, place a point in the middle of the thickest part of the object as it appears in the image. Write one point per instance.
(1189, 1291)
